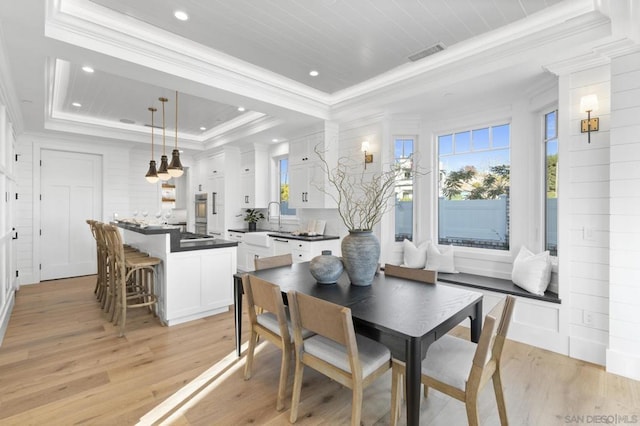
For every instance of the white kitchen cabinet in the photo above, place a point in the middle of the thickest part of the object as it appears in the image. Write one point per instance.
(216, 219)
(308, 191)
(253, 252)
(281, 246)
(308, 184)
(303, 251)
(201, 284)
(242, 250)
(222, 186)
(254, 182)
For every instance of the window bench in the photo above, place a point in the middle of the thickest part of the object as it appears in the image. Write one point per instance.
(498, 285)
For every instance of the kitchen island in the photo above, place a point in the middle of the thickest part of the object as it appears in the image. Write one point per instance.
(195, 279)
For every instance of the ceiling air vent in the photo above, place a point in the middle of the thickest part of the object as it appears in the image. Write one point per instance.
(438, 47)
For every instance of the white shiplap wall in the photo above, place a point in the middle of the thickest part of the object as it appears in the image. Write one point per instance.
(584, 207)
(124, 189)
(623, 354)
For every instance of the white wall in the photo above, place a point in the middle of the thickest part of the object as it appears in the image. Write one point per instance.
(124, 188)
(584, 207)
(623, 354)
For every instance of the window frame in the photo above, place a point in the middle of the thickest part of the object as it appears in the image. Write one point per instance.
(414, 139)
(473, 125)
(543, 173)
(277, 164)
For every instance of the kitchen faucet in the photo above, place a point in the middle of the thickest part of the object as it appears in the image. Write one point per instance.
(279, 214)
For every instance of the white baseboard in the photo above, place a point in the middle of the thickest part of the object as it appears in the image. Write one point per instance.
(28, 279)
(623, 364)
(5, 315)
(587, 350)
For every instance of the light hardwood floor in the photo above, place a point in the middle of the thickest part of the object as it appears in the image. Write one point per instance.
(61, 362)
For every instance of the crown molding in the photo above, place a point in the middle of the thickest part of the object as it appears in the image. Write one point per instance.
(555, 22)
(7, 93)
(88, 25)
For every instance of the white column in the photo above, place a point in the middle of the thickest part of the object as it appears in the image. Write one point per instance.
(623, 353)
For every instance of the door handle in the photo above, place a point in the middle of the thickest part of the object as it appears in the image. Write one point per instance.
(213, 203)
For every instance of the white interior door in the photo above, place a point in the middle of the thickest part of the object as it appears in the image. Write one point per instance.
(71, 187)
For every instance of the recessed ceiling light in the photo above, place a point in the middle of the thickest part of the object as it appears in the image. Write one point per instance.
(241, 108)
(313, 73)
(181, 15)
(76, 104)
(274, 140)
(203, 128)
(87, 69)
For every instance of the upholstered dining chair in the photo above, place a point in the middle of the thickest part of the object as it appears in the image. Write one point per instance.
(460, 368)
(335, 350)
(272, 261)
(268, 317)
(423, 275)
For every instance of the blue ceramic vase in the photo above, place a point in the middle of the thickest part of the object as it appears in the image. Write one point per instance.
(326, 269)
(360, 254)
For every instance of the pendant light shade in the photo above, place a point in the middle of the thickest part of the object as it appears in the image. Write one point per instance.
(163, 172)
(152, 174)
(175, 168)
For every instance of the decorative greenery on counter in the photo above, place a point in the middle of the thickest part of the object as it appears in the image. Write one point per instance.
(253, 215)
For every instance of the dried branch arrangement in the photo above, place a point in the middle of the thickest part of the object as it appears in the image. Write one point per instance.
(363, 198)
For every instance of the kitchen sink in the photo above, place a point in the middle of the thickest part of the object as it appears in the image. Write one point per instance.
(260, 239)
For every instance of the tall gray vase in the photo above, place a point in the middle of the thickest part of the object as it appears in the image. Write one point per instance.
(360, 255)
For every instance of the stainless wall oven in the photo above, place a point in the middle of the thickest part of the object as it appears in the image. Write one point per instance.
(201, 214)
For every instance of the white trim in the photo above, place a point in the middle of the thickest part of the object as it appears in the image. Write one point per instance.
(623, 364)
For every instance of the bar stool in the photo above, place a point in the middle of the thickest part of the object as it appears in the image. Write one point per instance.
(99, 258)
(133, 278)
(108, 286)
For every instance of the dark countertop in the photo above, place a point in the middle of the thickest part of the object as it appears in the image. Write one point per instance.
(289, 235)
(176, 245)
(246, 230)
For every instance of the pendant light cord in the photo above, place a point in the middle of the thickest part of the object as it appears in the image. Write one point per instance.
(176, 119)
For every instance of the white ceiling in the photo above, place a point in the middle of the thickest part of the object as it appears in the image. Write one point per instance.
(258, 55)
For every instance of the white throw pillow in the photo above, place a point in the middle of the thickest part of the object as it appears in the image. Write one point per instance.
(531, 271)
(414, 257)
(441, 261)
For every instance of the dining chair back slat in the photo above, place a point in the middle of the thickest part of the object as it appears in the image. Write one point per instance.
(335, 350)
(264, 301)
(423, 275)
(260, 263)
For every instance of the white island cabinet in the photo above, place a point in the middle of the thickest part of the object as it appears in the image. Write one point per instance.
(195, 279)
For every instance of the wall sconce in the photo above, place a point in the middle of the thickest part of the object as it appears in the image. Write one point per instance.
(587, 104)
(368, 158)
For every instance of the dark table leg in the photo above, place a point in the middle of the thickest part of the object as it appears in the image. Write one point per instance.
(476, 322)
(237, 309)
(412, 381)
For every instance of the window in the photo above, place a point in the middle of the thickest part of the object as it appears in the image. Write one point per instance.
(473, 200)
(551, 181)
(403, 152)
(283, 184)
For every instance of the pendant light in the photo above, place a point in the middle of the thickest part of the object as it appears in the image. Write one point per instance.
(152, 174)
(175, 168)
(163, 173)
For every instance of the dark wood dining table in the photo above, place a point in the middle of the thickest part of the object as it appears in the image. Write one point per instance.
(406, 316)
